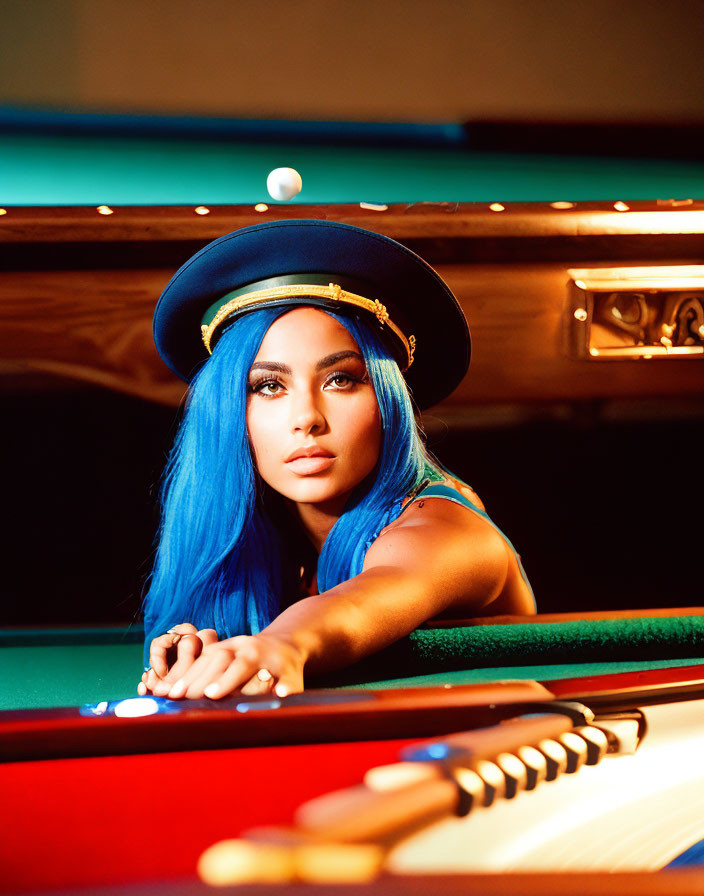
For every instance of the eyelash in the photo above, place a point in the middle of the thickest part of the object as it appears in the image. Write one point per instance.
(258, 387)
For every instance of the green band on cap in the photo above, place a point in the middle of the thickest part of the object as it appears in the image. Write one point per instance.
(270, 283)
(318, 289)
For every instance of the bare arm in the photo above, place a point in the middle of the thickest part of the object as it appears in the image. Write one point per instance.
(435, 557)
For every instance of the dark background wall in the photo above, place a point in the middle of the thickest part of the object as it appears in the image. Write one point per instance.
(602, 513)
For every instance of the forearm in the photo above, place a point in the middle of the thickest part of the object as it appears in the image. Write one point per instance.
(354, 619)
(449, 559)
(410, 575)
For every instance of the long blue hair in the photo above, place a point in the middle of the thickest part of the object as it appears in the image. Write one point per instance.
(221, 560)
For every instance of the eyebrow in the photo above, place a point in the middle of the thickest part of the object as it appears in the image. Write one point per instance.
(323, 363)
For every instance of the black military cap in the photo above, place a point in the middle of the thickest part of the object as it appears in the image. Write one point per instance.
(327, 265)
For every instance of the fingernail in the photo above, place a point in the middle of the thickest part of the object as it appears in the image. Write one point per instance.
(178, 690)
(281, 690)
(212, 690)
(141, 689)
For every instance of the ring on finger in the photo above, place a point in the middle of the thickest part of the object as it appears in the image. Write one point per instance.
(179, 636)
(264, 675)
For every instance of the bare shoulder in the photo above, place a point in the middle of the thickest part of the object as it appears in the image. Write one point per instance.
(454, 554)
(440, 508)
(441, 540)
(437, 519)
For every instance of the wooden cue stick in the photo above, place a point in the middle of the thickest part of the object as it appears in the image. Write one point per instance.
(361, 814)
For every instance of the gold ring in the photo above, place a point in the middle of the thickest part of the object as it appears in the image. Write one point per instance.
(264, 675)
(178, 636)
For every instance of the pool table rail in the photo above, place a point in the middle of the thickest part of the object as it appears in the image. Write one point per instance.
(318, 716)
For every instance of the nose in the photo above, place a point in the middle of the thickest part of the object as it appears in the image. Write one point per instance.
(306, 413)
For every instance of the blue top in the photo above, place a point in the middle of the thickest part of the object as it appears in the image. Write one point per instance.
(440, 490)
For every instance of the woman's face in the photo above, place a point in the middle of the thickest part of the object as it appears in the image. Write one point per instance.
(312, 415)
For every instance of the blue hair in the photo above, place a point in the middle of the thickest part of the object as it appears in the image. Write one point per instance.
(220, 561)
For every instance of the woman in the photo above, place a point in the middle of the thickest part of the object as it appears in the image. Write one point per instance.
(303, 524)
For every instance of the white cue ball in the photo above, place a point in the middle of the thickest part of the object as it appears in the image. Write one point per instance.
(284, 183)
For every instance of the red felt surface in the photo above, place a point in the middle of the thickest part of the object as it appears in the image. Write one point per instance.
(110, 820)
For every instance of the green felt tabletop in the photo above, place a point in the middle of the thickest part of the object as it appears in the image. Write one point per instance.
(535, 673)
(92, 170)
(68, 675)
(71, 668)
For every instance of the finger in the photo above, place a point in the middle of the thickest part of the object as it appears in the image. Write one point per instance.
(190, 647)
(157, 654)
(160, 646)
(204, 671)
(152, 680)
(161, 652)
(240, 671)
(244, 669)
(259, 684)
(289, 683)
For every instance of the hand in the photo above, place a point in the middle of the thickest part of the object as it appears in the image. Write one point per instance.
(234, 664)
(171, 655)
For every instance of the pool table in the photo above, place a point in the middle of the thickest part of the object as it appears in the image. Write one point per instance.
(91, 160)
(91, 201)
(108, 796)
(92, 226)
(509, 222)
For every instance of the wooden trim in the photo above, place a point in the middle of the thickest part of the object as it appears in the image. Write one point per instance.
(453, 220)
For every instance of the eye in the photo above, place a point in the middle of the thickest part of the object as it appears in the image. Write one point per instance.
(267, 388)
(342, 379)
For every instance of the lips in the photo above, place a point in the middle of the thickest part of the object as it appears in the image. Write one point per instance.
(312, 451)
(309, 461)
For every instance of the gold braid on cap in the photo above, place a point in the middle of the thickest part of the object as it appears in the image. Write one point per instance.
(331, 291)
